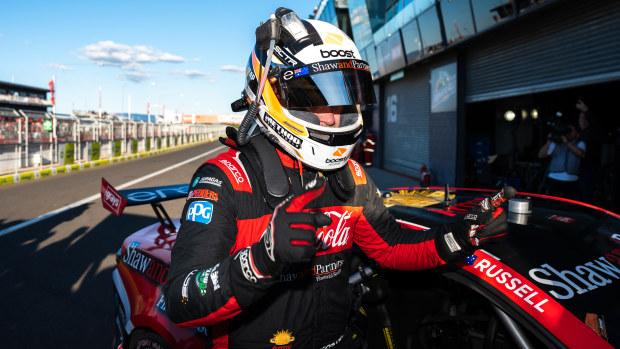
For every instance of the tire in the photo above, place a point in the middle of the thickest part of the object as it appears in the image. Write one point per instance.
(144, 339)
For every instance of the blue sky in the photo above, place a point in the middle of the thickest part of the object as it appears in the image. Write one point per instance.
(186, 55)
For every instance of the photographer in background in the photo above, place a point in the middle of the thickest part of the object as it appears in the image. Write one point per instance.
(566, 152)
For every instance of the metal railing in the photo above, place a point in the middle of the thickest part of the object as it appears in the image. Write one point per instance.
(39, 140)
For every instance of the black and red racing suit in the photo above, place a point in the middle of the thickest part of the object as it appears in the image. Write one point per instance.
(308, 306)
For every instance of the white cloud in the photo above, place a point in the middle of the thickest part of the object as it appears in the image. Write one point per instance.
(138, 77)
(109, 53)
(232, 68)
(197, 59)
(196, 74)
(59, 66)
(167, 57)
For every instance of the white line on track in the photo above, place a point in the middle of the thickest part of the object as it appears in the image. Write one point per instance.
(96, 196)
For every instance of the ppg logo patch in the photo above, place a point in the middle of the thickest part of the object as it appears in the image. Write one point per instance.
(200, 211)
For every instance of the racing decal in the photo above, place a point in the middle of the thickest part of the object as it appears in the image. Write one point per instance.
(301, 71)
(185, 287)
(319, 271)
(328, 271)
(160, 305)
(340, 152)
(526, 295)
(333, 38)
(208, 180)
(200, 211)
(215, 280)
(230, 164)
(283, 337)
(358, 174)
(111, 199)
(202, 279)
(585, 278)
(247, 268)
(289, 137)
(150, 267)
(337, 236)
(145, 195)
(500, 276)
(335, 161)
(470, 260)
(202, 193)
(597, 324)
(334, 343)
(337, 53)
(561, 219)
(284, 56)
(290, 277)
(335, 65)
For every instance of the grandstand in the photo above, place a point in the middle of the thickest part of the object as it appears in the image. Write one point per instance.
(23, 97)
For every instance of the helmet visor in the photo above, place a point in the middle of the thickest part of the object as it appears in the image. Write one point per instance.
(328, 83)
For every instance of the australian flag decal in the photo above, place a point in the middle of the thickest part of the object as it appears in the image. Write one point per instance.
(301, 71)
(470, 260)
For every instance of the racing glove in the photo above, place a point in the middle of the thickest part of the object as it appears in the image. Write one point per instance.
(480, 225)
(291, 233)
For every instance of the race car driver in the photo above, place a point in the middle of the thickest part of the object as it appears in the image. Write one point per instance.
(265, 244)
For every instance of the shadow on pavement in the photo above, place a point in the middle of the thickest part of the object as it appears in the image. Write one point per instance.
(57, 288)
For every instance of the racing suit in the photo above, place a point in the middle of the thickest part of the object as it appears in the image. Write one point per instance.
(308, 305)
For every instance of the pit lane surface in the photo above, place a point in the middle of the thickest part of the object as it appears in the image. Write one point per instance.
(56, 273)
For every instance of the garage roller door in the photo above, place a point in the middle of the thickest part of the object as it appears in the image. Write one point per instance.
(406, 123)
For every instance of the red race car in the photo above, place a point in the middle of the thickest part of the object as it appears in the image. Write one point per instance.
(553, 282)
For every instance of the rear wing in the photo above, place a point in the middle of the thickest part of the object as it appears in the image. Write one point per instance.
(115, 201)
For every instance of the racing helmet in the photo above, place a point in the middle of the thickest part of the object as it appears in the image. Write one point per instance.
(313, 64)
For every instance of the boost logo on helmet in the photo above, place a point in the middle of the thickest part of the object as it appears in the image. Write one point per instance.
(337, 53)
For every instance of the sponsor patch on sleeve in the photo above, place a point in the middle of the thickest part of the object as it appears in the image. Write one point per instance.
(230, 164)
(200, 211)
(203, 193)
(358, 174)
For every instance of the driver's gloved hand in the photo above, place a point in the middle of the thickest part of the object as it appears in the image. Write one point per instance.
(291, 234)
(483, 223)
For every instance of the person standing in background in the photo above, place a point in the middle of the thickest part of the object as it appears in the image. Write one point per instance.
(369, 147)
(566, 152)
(590, 169)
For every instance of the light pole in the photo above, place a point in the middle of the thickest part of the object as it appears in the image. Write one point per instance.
(123, 96)
(163, 104)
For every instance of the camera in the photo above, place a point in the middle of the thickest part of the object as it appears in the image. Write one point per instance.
(557, 131)
(558, 128)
